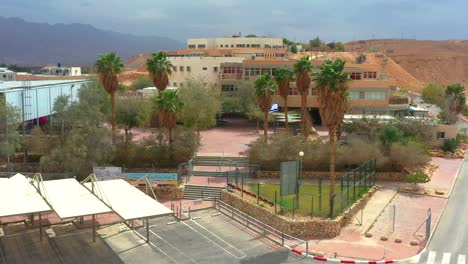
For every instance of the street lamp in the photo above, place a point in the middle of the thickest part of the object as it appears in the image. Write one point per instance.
(299, 180)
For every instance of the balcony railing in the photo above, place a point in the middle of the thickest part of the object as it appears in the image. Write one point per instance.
(398, 100)
(231, 76)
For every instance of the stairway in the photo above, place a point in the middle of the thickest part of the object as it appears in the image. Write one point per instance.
(194, 192)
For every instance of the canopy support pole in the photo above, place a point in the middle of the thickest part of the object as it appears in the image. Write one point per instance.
(94, 228)
(40, 226)
(147, 230)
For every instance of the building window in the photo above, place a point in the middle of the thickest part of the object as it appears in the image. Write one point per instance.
(255, 45)
(369, 75)
(174, 68)
(191, 46)
(221, 45)
(175, 84)
(259, 54)
(279, 55)
(232, 70)
(228, 88)
(248, 45)
(215, 69)
(188, 68)
(204, 68)
(293, 91)
(440, 135)
(181, 68)
(355, 76)
(201, 46)
(368, 95)
(232, 46)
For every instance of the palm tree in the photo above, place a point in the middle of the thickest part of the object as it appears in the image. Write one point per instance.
(457, 93)
(265, 87)
(332, 84)
(302, 69)
(108, 66)
(159, 67)
(283, 78)
(167, 104)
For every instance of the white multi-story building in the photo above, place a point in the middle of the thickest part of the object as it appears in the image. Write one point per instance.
(7, 75)
(207, 69)
(235, 43)
(61, 71)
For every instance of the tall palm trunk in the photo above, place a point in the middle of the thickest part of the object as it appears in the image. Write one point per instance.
(113, 115)
(304, 112)
(265, 124)
(286, 120)
(332, 134)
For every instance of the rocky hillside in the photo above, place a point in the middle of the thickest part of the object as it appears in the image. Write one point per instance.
(444, 62)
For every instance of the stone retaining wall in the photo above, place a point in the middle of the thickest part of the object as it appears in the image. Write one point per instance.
(380, 176)
(305, 229)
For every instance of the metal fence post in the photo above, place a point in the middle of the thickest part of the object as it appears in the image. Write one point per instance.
(332, 202)
(242, 190)
(320, 194)
(354, 185)
(394, 214)
(258, 192)
(428, 224)
(312, 207)
(282, 239)
(341, 178)
(294, 207)
(307, 247)
(275, 201)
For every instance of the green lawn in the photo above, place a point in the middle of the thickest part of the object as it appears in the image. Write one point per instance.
(307, 193)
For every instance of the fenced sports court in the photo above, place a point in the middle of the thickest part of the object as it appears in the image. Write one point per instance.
(312, 198)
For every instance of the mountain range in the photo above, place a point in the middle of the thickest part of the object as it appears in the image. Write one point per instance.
(35, 44)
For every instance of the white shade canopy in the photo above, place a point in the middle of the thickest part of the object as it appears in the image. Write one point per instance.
(71, 199)
(19, 197)
(128, 201)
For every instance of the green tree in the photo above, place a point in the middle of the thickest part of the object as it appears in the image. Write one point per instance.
(417, 178)
(293, 48)
(10, 139)
(339, 46)
(283, 78)
(251, 36)
(265, 88)
(316, 45)
(332, 84)
(434, 94)
(302, 69)
(159, 67)
(167, 104)
(108, 66)
(131, 113)
(456, 92)
(201, 104)
(331, 46)
(389, 135)
(61, 108)
(141, 82)
(287, 42)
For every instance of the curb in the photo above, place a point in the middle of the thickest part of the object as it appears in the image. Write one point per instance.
(347, 261)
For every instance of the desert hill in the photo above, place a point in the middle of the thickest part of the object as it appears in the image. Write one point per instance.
(444, 62)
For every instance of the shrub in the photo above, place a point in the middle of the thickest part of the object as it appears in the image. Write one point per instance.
(409, 155)
(450, 144)
(417, 177)
(155, 151)
(434, 94)
(390, 134)
(141, 83)
(357, 152)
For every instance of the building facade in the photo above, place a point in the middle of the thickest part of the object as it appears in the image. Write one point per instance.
(368, 91)
(206, 69)
(61, 71)
(235, 43)
(7, 75)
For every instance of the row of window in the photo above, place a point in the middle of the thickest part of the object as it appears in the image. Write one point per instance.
(368, 95)
(200, 46)
(189, 69)
(232, 70)
(363, 75)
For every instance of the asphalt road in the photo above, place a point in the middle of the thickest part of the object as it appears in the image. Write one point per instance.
(449, 243)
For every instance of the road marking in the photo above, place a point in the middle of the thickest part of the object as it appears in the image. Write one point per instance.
(431, 257)
(191, 259)
(156, 247)
(446, 258)
(461, 259)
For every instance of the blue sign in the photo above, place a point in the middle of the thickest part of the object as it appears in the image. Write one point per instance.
(152, 176)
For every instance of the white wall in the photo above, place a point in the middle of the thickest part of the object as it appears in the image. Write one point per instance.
(8, 76)
(200, 68)
(230, 43)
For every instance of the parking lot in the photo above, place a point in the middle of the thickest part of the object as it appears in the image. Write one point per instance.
(206, 238)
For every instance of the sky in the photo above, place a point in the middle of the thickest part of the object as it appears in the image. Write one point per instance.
(298, 20)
